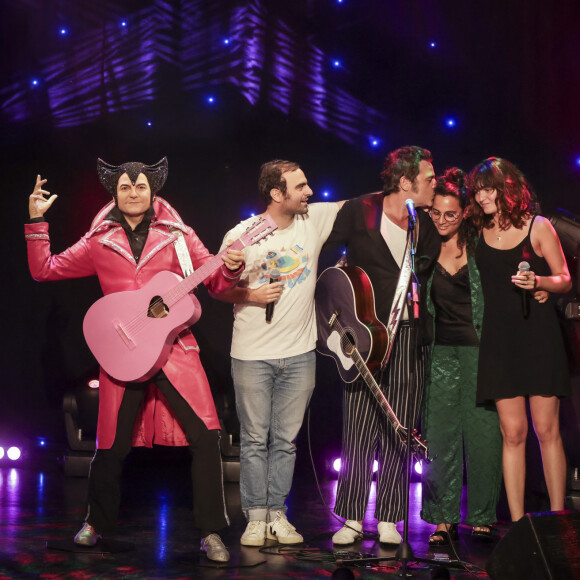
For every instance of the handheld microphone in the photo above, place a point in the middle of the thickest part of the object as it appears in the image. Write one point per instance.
(412, 213)
(522, 268)
(274, 277)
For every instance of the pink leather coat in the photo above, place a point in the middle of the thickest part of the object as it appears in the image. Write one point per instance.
(104, 251)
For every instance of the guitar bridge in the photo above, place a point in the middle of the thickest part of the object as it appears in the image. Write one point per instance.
(129, 343)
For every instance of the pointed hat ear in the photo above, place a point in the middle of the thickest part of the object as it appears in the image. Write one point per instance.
(156, 174)
(109, 175)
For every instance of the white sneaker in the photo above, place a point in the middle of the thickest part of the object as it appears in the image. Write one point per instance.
(348, 534)
(282, 530)
(388, 533)
(255, 534)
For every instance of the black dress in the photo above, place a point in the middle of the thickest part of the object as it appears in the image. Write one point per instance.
(517, 356)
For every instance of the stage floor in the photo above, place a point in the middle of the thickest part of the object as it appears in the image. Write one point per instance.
(40, 505)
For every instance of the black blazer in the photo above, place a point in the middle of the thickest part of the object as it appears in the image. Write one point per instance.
(357, 227)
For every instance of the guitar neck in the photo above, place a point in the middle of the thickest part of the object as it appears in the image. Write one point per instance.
(418, 446)
(204, 271)
(374, 387)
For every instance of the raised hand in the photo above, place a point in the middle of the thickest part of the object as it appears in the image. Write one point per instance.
(38, 204)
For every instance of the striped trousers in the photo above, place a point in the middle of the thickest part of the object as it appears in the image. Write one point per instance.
(367, 435)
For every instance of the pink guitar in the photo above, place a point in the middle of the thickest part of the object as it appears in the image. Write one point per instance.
(131, 333)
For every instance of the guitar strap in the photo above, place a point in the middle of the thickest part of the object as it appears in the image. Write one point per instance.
(398, 302)
(182, 253)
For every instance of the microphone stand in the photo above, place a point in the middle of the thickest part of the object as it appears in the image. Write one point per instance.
(404, 552)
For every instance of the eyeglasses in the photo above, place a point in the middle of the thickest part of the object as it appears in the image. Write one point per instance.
(449, 216)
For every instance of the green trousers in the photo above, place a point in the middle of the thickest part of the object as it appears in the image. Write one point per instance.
(454, 428)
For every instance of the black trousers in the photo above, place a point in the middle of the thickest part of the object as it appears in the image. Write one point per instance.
(104, 494)
(367, 434)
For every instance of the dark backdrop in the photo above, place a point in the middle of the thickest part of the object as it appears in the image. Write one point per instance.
(333, 85)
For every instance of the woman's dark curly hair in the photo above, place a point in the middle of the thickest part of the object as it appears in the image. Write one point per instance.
(452, 183)
(516, 200)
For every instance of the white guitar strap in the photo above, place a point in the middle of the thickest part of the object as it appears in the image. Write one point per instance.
(182, 253)
(398, 303)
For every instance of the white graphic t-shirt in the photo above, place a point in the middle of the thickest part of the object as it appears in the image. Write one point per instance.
(294, 252)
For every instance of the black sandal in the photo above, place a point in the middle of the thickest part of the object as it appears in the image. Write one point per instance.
(485, 535)
(446, 538)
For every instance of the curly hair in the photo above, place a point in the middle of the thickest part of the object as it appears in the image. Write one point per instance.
(271, 177)
(452, 183)
(403, 162)
(516, 200)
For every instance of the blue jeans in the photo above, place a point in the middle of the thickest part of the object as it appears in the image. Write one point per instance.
(271, 398)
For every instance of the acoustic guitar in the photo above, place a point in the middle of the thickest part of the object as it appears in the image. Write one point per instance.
(350, 332)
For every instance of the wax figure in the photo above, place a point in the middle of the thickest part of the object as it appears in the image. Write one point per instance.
(129, 241)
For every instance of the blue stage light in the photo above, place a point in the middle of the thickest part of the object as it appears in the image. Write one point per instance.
(123, 23)
(149, 124)
(336, 63)
(63, 31)
(451, 122)
(211, 99)
(374, 142)
(578, 161)
(433, 44)
(226, 41)
(34, 82)
(326, 193)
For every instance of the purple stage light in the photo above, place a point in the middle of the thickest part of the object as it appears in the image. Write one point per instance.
(13, 453)
(1, 452)
(265, 60)
(336, 465)
(375, 466)
(418, 467)
(578, 161)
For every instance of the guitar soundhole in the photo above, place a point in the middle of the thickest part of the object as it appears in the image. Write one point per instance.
(157, 308)
(347, 343)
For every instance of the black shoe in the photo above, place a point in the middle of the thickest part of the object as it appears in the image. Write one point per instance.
(444, 538)
(483, 535)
